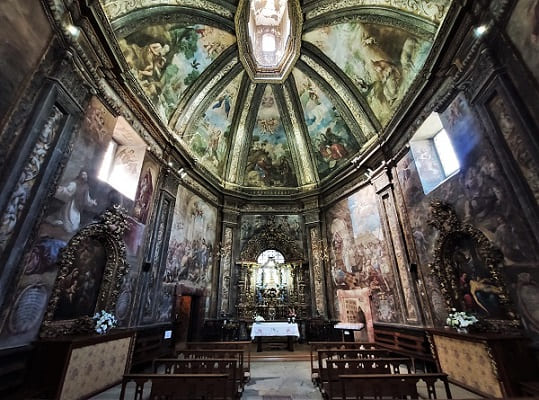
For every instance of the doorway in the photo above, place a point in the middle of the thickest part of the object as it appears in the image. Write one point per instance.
(187, 318)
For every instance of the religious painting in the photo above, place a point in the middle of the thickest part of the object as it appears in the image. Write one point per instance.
(79, 288)
(479, 193)
(269, 162)
(23, 45)
(145, 191)
(358, 253)
(167, 59)
(332, 142)
(476, 292)
(381, 61)
(208, 137)
(518, 143)
(191, 247)
(523, 29)
(527, 294)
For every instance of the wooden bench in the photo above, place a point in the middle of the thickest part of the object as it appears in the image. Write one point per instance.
(176, 387)
(215, 353)
(360, 366)
(336, 354)
(409, 342)
(379, 386)
(229, 366)
(239, 345)
(315, 346)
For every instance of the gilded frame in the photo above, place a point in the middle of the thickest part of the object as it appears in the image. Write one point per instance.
(107, 232)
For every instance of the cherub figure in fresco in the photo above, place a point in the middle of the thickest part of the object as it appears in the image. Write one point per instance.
(153, 58)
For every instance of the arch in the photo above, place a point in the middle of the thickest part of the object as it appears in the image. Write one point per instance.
(271, 238)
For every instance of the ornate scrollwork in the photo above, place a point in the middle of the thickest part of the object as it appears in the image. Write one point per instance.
(271, 238)
(107, 232)
(462, 250)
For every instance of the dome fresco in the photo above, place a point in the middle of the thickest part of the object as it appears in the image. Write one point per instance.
(356, 66)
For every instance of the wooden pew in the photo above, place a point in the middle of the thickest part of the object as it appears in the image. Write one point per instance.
(315, 346)
(176, 387)
(239, 345)
(396, 386)
(337, 354)
(360, 366)
(229, 366)
(215, 353)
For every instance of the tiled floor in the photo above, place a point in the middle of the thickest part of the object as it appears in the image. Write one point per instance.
(280, 375)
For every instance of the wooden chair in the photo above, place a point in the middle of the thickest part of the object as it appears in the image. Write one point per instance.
(176, 387)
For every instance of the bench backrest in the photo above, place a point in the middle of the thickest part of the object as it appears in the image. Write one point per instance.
(236, 345)
(400, 386)
(315, 346)
(177, 387)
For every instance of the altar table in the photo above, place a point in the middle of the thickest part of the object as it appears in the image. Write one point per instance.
(276, 329)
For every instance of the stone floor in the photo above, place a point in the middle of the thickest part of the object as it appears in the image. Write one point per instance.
(281, 375)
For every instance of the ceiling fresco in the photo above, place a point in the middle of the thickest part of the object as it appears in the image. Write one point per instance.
(269, 161)
(331, 141)
(357, 62)
(209, 135)
(166, 59)
(381, 61)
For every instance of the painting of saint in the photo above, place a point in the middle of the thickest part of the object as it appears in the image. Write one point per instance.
(80, 287)
(76, 197)
(143, 199)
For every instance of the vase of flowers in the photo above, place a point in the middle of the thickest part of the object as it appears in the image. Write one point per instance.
(460, 320)
(104, 321)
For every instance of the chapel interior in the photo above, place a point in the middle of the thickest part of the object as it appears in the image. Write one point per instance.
(361, 170)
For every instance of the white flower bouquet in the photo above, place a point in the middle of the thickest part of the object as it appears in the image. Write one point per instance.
(259, 318)
(104, 321)
(460, 319)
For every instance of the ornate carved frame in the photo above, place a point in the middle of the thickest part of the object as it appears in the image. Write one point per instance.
(108, 231)
(444, 218)
(271, 238)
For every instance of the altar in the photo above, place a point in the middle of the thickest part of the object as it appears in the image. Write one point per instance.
(261, 330)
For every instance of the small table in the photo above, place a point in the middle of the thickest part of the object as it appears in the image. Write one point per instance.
(346, 327)
(268, 329)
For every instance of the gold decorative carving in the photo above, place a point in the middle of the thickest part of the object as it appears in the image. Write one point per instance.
(317, 252)
(108, 231)
(444, 218)
(271, 238)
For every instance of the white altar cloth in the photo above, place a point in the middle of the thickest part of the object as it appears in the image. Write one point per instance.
(274, 329)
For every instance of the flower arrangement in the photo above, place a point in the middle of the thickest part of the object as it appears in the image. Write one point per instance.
(259, 318)
(104, 321)
(460, 319)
